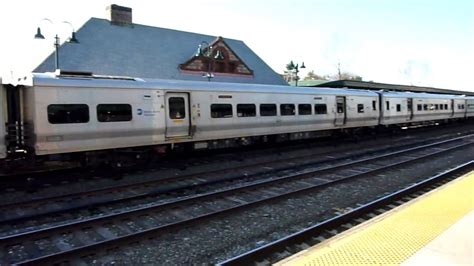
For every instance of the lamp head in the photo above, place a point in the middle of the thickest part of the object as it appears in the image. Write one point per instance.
(219, 55)
(73, 38)
(38, 34)
(199, 51)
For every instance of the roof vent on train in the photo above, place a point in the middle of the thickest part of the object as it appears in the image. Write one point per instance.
(89, 75)
(67, 73)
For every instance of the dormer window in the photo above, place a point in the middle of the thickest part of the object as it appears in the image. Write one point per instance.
(216, 57)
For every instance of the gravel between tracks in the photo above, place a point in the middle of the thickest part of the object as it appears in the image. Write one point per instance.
(215, 241)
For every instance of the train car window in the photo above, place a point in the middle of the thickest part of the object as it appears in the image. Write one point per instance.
(176, 107)
(436, 107)
(68, 113)
(304, 109)
(399, 107)
(114, 112)
(425, 107)
(287, 109)
(246, 110)
(387, 103)
(374, 105)
(320, 109)
(441, 107)
(268, 110)
(419, 107)
(360, 108)
(446, 107)
(221, 110)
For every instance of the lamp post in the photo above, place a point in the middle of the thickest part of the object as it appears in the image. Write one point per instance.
(295, 69)
(206, 50)
(57, 42)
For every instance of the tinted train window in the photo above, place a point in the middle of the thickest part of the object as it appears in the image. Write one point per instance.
(436, 107)
(176, 107)
(387, 103)
(114, 112)
(320, 109)
(287, 109)
(304, 109)
(360, 108)
(446, 107)
(268, 110)
(419, 107)
(374, 105)
(68, 113)
(399, 107)
(441, 106)
(221, 110)
(425, 107)
(246, 110)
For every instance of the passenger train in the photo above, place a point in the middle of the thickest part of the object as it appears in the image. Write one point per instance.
(99, 119)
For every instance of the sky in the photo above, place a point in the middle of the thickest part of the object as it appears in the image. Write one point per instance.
(412, 42)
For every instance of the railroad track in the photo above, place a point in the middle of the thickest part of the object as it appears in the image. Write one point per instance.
(287, 246)
(18, 212)
(91, 237)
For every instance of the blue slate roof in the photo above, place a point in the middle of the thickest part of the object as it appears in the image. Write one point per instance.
(148, 52)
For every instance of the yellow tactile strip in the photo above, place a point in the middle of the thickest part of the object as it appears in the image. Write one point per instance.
(398, 235)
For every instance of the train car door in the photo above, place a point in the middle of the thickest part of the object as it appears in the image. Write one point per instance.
(410, 108)
(452, 107)
(177, 114)
(340, 111)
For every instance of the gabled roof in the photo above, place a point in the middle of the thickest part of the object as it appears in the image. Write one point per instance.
(148, 52)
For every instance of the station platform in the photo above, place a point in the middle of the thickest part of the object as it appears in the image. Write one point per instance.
(434, 229)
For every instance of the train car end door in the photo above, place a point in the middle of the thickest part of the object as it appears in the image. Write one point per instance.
(177, 115)
(341, 116)
(410, 108)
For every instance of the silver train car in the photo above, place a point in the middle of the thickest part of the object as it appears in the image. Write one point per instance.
(99, 119)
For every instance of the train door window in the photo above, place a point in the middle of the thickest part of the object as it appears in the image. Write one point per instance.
(425, 107)
(304, 109)
(340, 108)
(221, 110)
(419, 107)
(68, 113)
(374, 105)
(268, 110)
(320, 109)
(387, 104)
(246, 110)
(114, 112)
(287, 109)
(176, 107)
(399, 107)
(360, 108)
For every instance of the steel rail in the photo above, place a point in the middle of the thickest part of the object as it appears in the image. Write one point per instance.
(137, 235)
(156, 192)
(257, 255)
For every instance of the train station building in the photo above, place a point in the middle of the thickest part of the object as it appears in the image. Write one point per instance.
(116, 46)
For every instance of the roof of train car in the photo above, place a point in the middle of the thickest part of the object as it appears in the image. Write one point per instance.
(53, 79)
(50, 79)
(364, 85)
(396, 94)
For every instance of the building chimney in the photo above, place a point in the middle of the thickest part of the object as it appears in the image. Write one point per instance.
(119, 15)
